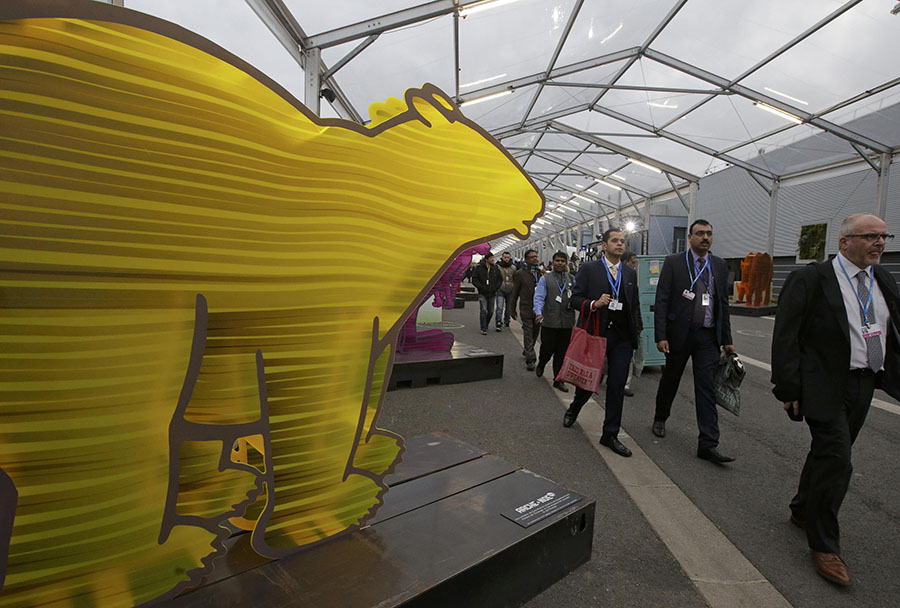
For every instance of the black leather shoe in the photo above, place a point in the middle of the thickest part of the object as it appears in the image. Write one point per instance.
(560, 386)
(615, 445)
(539, 370)
(659, 428)
(713, 455)
(569, 418)
(530, 366)
(798, 522)
(629, 392)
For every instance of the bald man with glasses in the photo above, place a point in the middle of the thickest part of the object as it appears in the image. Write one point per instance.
(835, 342)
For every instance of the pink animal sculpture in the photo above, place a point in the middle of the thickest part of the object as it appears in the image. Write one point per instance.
(444, 292)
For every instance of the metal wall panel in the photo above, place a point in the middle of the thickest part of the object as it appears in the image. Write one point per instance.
(738, 208)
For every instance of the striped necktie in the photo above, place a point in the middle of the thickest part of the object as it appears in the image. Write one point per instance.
(873, 343)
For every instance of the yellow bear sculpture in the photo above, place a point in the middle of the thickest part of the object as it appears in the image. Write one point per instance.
(180, 346)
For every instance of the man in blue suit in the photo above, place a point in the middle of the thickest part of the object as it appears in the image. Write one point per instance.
(691, 322)
(609, 289)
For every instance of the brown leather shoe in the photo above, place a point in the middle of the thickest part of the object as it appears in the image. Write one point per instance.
(831, 567)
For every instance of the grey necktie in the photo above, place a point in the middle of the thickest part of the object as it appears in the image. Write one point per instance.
(873, 343)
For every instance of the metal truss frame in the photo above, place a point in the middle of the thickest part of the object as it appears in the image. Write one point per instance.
(305, 50)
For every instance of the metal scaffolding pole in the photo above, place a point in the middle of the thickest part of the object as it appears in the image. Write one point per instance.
(773, 208)
(312, 80)
(881, 192)
(692, 203)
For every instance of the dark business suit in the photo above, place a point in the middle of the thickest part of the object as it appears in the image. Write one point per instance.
(811, 365)
(591, 282)
(674, 321)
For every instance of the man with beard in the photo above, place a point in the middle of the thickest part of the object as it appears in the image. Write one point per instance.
(524, 282)
(607, 288)
(691, 322)
(507, 270)
(554, 315)
(486, 279)
(835, 341)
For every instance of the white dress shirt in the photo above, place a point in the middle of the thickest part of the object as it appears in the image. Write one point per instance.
(858, 355)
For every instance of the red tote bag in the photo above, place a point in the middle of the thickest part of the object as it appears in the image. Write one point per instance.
(583, 365)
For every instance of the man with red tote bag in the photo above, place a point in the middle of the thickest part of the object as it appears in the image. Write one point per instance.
(608, 289)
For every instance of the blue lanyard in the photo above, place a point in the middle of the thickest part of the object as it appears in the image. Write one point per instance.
(615, 284)
(562, 285)
(687, 258)
(865, 309)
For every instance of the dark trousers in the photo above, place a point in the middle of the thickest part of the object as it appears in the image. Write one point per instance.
(618, 356)
(827, 471)
(702, 349)
(486, 310)
(530, 332)
(554, 342)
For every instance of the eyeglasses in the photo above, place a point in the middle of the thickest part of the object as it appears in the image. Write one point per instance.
(872, 237)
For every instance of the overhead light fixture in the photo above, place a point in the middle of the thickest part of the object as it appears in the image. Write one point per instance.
(630, 226)
(551, 214)
(777, 112)
(563, 196)
(579, 185)
(477, 7)
(607, 184)
(644, 165)
(584, 198)
(576, 203)
(618, 177)
(482, 81)
(661, 105)
(469, 102)
(786, 96)
(604, 169)
(617, 30)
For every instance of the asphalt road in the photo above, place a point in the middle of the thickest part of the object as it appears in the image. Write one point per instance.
(518, 418)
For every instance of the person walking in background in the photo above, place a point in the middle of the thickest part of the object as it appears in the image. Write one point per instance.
(524, 282)
(507, 270)
(835, 341)
(609, 289)
(691, 322)
(554, 315)
(487, 279)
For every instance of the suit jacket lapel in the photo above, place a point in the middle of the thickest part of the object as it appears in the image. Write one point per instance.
(832, 291)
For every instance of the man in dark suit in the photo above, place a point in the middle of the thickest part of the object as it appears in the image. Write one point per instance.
(835, 341)
(521, 305)
(609, 288)
(691, 321)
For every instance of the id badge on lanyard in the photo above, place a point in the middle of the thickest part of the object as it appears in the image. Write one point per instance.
(688, 294)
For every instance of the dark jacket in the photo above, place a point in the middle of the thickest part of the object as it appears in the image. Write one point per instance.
(523, 293)
(487, 282)
(507, 271)
(591, 282)
(556, 315)
(811, 344)
(673, 313)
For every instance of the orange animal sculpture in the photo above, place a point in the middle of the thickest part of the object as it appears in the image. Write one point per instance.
(742, 285)
(761, 271)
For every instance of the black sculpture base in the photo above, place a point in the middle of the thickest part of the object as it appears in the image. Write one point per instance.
(457, 528)
(463, 363)
(459, 302)
(742, 310)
